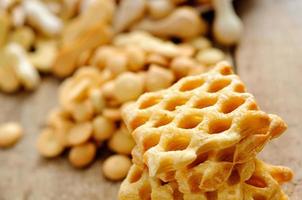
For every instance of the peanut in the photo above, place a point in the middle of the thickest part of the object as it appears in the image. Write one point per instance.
(82, 155)
(103, 128)
(121, 142)
(113, 114)
(160, 8)
(128, 86)
(44, 55)
(10, 134)
(41, 18)
(181, 66)
(154, 58)
(136, 58)
(82, 111)
(27, 74)
(116, 167)
(117, 63)
(18, 16)
(210, 56)
(24, 36)
(97, 99)
(9, 82)
(49, 144)
(158, 78)
(200, 43)
(128, 12)
(101, 55)
(183, 22)
(227, 26)
(79, 133)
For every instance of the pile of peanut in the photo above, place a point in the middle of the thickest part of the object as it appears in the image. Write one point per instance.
(106, 50)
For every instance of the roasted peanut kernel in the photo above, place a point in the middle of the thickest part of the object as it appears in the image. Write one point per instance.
(181, 66)
(44, 55)
(128, 86)
(49, 143)
(117, 63)
(24, 36)
(200, 43)
(82, 155)
(160, 8)
(158, 78)
(116, 167)
(9, 82)
(113, 114)
(158, 59)
(10, 133)
(121, 142)
(27, 74)
(82, 111)
(136, 58)
(97, 100)
(101, 55)
(210, 56)
(79, 133)
(103, 128)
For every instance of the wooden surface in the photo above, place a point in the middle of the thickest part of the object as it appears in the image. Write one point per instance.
(269, 60)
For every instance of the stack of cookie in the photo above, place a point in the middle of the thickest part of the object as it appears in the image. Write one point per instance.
(199, 139)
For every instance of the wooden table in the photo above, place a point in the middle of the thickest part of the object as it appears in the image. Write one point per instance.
(269, 60)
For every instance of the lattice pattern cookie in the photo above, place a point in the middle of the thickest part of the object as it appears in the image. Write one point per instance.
(254, 180)
(203, 125)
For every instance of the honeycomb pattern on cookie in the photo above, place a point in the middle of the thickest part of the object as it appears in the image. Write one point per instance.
(249, 181)
(201, 121)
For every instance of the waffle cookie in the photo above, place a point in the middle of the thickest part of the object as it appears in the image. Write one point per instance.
(254, 180)
(201, 126)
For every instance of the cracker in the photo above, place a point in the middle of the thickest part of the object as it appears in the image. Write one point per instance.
(252, 180)
(206, 122)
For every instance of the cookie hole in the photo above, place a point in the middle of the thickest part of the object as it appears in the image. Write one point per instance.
(168, 176)
(151, 141)
(259, 197)
(226, 155)
(145, 192)
(190, 121)
(178, 143)
(165, 165)
(138, 121)
(194, 182)
(191, 85)
(201, 158)
(234, 178)
(219, 85)
(219, 126)
(232, 104)
(177, 195)
(135, 175)
(150, 102)
(162, 183)
(239, 88)
(164, 120)
(174, 103)
(225, 71)
(252, 106)
(212, 195)
(205, 102)
(256, 181)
